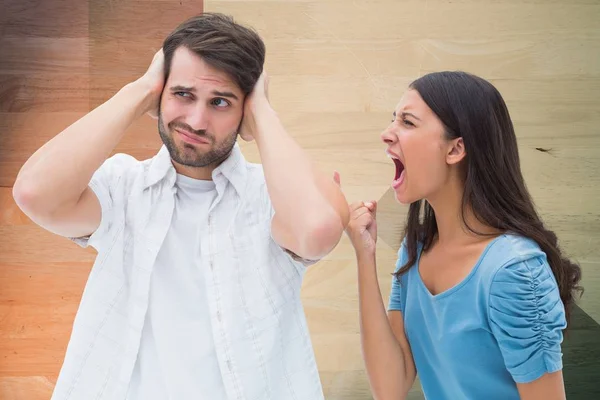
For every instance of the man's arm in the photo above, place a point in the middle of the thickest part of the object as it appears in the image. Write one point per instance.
(311, 211)
(52, 186)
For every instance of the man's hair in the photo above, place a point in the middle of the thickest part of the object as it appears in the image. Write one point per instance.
(223, 44)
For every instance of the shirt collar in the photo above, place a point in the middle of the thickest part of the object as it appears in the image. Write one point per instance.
(232, 170)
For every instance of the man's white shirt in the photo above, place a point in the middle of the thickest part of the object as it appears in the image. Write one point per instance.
(245, 286)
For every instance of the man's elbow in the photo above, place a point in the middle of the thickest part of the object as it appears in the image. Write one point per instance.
(321, 237)
(26, 197)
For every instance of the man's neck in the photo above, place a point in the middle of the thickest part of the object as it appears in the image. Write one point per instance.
(200, 173)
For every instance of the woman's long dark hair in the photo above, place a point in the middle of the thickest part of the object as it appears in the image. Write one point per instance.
(472, 108)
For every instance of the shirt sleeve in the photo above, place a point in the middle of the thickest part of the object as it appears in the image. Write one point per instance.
(527, 317)
(104, 184)
(398, 291)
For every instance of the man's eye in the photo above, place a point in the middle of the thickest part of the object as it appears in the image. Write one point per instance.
(219, 102)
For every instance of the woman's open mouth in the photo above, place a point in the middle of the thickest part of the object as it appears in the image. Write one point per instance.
(399, 177)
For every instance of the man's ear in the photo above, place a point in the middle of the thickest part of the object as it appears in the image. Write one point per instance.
(456, 151)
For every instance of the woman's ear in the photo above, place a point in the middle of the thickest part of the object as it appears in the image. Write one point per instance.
(456, 151)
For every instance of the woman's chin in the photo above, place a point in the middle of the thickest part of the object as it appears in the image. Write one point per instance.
(405, 198)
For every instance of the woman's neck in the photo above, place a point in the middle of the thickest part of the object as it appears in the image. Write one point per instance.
(452, 229)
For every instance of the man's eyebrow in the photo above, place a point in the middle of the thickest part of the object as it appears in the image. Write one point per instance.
(180, 88)
(225, 94)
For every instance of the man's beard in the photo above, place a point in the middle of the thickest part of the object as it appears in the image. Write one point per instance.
(189, 155)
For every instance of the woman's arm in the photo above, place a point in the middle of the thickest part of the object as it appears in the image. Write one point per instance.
(388, 359)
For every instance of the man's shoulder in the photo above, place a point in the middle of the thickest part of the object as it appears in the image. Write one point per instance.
(255, 173)
(121, 163)
(126, 166)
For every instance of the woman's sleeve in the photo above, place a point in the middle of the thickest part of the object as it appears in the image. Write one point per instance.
(527, 318)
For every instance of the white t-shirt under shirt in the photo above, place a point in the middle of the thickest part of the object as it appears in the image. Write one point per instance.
(177, 358)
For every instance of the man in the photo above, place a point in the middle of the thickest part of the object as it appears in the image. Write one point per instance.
(195, 292)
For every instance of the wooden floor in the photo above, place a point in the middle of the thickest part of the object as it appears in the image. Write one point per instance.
(337, 69)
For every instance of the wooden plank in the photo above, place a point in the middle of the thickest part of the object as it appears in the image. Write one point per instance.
(54, 19)
(26, 387)
(338, 69)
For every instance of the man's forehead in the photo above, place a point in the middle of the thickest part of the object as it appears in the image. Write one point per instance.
(190, 70)
(195, 81)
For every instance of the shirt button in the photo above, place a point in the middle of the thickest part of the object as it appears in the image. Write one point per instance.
(219, 316)
(229, 364)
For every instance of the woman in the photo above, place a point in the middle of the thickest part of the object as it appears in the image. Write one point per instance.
(481, 292)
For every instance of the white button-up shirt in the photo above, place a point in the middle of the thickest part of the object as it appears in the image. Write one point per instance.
(253, 285)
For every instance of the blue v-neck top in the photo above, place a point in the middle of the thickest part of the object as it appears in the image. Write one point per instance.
(501, 325)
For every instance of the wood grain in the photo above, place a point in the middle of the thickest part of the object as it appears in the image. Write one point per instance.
(337, 70)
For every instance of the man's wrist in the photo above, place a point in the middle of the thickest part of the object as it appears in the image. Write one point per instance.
(142, 94)
(264, 117)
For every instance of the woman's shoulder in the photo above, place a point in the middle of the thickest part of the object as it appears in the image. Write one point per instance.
(514, 267)
(520, 282)
(510, 250)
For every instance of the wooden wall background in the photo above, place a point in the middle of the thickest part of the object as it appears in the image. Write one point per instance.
(337, 69)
